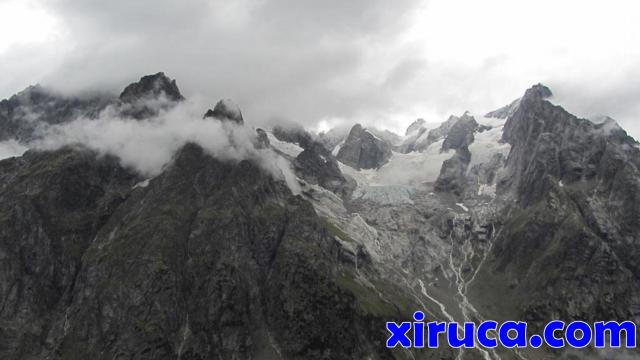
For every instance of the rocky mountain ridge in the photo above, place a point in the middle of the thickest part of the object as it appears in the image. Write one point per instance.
(525, 213)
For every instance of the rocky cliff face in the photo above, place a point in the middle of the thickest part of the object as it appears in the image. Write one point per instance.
(25, 114)
(145, 98)
(528, 213)
(577, 188)
(458, 137)
(315, 164)
(363, 150)
(226, 110)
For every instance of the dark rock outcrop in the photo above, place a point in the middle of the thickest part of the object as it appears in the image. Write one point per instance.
(415, 126)
(315, 164)
(151, 87)
(363, 150)
(226, 110)
(420, 142)
(460, 133)
(262, 140)
(148, 96)
(453, 175)
(25, 114)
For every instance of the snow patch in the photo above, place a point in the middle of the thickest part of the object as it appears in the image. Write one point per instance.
(490, 121)
(488, 143)
(336, 149)
(11, 148)
(403, 169)
(142, 184)
(287, 148)
(461, 205)
(289, 177)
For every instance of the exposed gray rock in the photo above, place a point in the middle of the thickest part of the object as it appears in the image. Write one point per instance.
(415, 126)
(147, 97)
(333, 137)
(419, 142)
(209, 259)
(262, 141)
(363, 150)
(460, 133)
(315, 164)
(388, 136)
(569, 244)
(25, 114)
(505, 111)
(226, 110)
(453, 175)
(152, 86)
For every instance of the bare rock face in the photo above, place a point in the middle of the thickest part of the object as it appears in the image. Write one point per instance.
(415, 126)
(209, 259)
(315, 164)
(262, 140)
(363, 150)
(152, 86)
(149, 95)
(226, 110)
(577, 209)
(460, 133)
(459, 136)
(505, 111)
(36, 106)
(24, 115)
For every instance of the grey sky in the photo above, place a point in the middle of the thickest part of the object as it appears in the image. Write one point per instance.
(325, 62)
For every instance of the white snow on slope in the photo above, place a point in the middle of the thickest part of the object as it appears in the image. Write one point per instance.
(403, 169)
(331, 207)
(290, 149)
(461, 205)
(336, 149)
(394, 182)
(11, 148)
(487, 143)
(142, 184)
(289, 177)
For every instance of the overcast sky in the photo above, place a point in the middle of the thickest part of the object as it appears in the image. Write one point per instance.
(320, 63)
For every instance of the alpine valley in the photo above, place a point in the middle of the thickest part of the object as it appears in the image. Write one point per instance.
(303, 245)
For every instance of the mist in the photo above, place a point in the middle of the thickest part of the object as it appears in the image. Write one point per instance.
(148, 145)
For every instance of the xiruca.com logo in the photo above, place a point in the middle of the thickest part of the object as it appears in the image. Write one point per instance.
(510, 334)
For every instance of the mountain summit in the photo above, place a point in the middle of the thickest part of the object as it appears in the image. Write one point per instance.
(226, 110)
(152, 86)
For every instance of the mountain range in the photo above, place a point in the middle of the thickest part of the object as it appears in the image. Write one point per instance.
(302, 245)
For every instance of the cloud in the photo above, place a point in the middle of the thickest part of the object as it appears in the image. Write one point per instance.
(149, 145)
(377, 62)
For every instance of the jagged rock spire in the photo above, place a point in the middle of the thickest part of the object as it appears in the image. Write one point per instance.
(226, 110)
(364, 150)
(152, 86)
